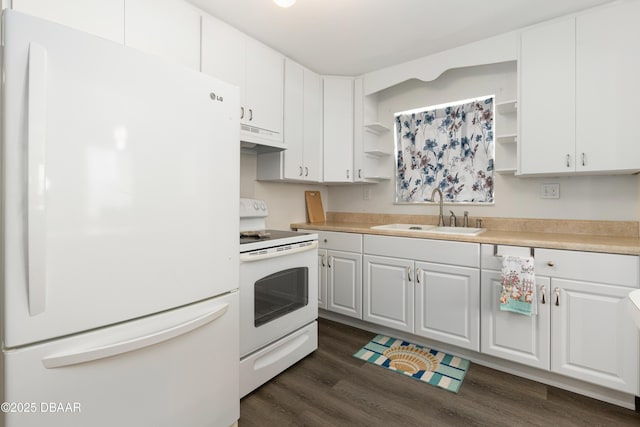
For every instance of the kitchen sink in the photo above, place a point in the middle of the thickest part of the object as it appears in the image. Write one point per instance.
(404, 227)
(465, 231)
(425, 228)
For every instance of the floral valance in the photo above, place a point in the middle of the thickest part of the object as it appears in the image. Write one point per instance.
(450, 147)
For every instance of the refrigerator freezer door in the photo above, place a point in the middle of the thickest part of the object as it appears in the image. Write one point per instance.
(180, 377)
(120, 180)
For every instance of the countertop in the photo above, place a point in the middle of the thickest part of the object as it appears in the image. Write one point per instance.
(618, 241)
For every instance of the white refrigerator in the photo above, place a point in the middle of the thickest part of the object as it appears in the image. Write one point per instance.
(119, 235)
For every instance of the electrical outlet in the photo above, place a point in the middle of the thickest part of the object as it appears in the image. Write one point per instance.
(366, 193)
(550, 191)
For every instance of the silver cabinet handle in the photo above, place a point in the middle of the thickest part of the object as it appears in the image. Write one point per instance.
(557, 291)
(250, 114)
(359, 173)
(418, 273)
(584, 159)
(300, 172)
(409, 274)
(329, 262)
(323, 262)
(242, 112)
(347, 173)
(568, 160)
(542, 291)
(306, 171)
(550, 263)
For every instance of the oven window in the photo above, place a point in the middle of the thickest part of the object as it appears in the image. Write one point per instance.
(280, 293)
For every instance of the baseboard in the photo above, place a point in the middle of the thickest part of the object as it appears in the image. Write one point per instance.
(614, 397)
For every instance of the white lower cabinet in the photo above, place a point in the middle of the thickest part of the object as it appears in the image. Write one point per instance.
(322, 278)
(344, 283)
(583, 328)
(447, 304)
(521, 339)
(388, 292)
(431, 299)
(592, 335)
(340, 272)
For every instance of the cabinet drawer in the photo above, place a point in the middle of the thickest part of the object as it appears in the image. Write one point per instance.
(438, 251)
(337, 241)
(491, 255)
(621, 270)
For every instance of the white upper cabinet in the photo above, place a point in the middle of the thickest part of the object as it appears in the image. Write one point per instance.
(302, 123)
(302, 160)
(607, 88)
(98, 17)
(167, 28)
(338, 129)
(257, 69)
(264, 96)
(578, 85)
(546, 107)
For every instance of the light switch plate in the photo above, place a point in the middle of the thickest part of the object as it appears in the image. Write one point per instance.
(550, 191)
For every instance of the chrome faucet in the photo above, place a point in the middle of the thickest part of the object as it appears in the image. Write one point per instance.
(441, 217)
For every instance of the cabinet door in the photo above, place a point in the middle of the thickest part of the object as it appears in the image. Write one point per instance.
(447, 304)
(223, 52)
(98, 17)
(338, 129)
(344, 283)
(592, 334)
(167, 28)
(294, 113)
(387, 292)
(607, 88)
(322, 278)
(312, 126)
(264, 97)
(515, 337)
(546, 104)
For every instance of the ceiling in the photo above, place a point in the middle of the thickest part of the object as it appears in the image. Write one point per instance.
(353, 37)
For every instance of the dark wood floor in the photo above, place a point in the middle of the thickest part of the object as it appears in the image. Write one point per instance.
(332, 388)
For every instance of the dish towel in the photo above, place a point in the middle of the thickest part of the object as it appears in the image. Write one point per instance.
(518, 285)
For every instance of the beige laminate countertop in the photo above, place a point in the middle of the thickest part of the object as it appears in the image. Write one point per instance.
(569, 241)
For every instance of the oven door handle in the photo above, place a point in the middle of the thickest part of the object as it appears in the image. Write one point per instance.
(258, 257)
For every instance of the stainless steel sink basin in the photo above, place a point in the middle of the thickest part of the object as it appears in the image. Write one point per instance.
(404, 227)
(425, 228)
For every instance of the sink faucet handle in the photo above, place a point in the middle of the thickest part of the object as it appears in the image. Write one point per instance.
(465, 220)
(452, 219)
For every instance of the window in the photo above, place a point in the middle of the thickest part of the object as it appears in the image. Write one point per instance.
(448, 146)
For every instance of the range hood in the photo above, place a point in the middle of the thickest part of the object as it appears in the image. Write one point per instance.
(260, 140)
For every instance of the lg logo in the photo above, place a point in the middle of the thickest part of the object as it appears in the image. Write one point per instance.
(215, 97)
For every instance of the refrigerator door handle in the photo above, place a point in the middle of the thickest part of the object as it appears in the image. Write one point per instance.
(36, 153)
(109, 350)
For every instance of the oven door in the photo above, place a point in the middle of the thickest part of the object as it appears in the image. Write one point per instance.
(278, 293)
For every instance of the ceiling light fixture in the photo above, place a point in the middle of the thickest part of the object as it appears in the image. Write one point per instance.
(284, 3)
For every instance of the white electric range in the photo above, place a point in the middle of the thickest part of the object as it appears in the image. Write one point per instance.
(278, 296)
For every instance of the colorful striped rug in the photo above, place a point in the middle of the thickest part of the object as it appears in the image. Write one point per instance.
(431, 366)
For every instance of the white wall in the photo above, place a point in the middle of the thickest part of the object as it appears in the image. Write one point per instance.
(593, 197)
(285, 201)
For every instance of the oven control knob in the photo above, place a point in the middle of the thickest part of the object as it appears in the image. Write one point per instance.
(263, 206)
(255, 206)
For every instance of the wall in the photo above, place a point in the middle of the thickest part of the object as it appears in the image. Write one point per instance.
(592, 197)
(285, 201)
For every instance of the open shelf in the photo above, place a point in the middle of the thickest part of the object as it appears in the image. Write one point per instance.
(377, 153)
(377, 128)
(506, 171)
(507, 139)
(507, 107)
